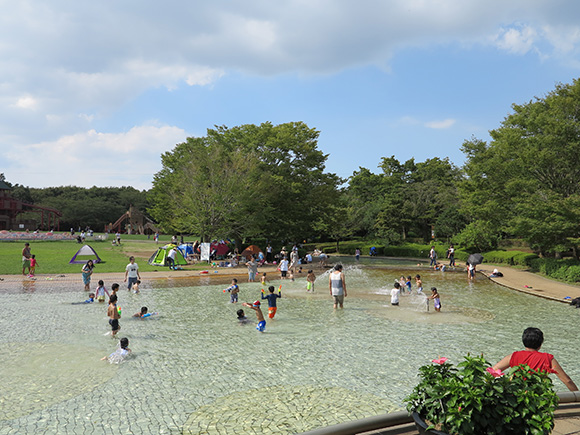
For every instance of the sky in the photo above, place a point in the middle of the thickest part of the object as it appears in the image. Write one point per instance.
(93, 93)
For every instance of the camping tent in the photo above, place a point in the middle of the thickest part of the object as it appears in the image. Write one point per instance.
(220, 248)
(159, 257)
(251, 250)
(88, 253)
(185, 249)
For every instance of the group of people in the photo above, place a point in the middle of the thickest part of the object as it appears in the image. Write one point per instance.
(404, 285)
(133, 280)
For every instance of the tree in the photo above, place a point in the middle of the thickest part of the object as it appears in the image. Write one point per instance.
(246, 181)
(525, 181)
(207, 190)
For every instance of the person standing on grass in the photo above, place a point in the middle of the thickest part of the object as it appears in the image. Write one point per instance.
(26, 258)
(131, 273)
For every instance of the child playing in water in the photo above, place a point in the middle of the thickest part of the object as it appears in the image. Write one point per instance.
(264, 279)
(272, 300)
(144, 313)
(233, 290)
(402, 282)
(101, 290)
(242, 319)
(261, 321)
(120, 354)
(135, 286)
(114, 289)
(114, 315)
(419, 284)
(395, 292)
(408, 284)
(33, 264)
(310, 278)
(90, 300)
(436, 299)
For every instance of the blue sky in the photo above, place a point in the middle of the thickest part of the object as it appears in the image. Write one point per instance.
(93, 94)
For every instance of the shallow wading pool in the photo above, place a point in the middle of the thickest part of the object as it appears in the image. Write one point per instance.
(195, 370)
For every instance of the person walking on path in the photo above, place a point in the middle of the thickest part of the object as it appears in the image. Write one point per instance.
(26, 258)
(451, 256)
(337, 286)
(433, 256)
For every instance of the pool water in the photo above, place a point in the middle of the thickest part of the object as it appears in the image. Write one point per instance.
(195, 370)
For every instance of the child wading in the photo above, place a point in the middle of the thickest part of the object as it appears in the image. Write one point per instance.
(261, 321)
(233, 290)
(272, 300)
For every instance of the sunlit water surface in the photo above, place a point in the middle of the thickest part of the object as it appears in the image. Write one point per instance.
(195, 370)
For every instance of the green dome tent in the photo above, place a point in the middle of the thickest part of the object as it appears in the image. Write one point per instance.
(160, 256)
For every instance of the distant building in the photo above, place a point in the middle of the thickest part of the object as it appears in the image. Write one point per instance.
(15, 214)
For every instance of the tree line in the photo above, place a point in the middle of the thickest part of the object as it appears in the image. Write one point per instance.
(270, 182)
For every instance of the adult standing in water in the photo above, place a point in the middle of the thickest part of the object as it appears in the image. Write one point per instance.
(26, 258)
(87, 271)
(337, 285)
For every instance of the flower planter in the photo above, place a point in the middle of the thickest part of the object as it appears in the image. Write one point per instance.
(422, 426)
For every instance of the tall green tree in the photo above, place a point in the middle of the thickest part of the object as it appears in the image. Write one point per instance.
(277, 175)
(525, 181)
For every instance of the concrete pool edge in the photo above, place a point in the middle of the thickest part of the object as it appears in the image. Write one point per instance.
(401, 422)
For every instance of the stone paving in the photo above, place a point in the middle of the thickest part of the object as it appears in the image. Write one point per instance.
(194, 370)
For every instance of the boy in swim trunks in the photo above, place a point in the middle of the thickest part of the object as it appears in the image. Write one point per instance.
(114, 315)
(419, 284)
(261, 321)
(310, 278)
(272, 300)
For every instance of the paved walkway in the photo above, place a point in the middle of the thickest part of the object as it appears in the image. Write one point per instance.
(531, 283)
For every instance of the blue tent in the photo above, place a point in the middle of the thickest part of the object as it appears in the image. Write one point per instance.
(185, 250)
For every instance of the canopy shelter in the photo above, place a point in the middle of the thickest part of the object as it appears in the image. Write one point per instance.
(251, 250)
(86, 253)
(159, 258)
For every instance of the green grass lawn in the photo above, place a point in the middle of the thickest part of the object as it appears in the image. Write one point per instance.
(53, 256)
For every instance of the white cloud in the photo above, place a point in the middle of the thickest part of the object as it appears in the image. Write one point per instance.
(93, 158)
(26, 103)
(514, 40)
(70, 67)
(439, 125)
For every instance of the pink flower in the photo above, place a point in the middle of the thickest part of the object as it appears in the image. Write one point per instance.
(495, 373)
(440, 360)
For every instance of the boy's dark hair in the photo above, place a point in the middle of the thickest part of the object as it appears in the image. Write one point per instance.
(113, 299)
(433, 288)
(124, 342)
(271, 288)
(397, 285)
(409, 277)
(418, 276)
(33, 256)
(101, 282)
(234, 280)
(309, 270)
(533, 338)
(338, 266)
(115, 286)
(138, 281)
(144, 310)
(240, 313)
